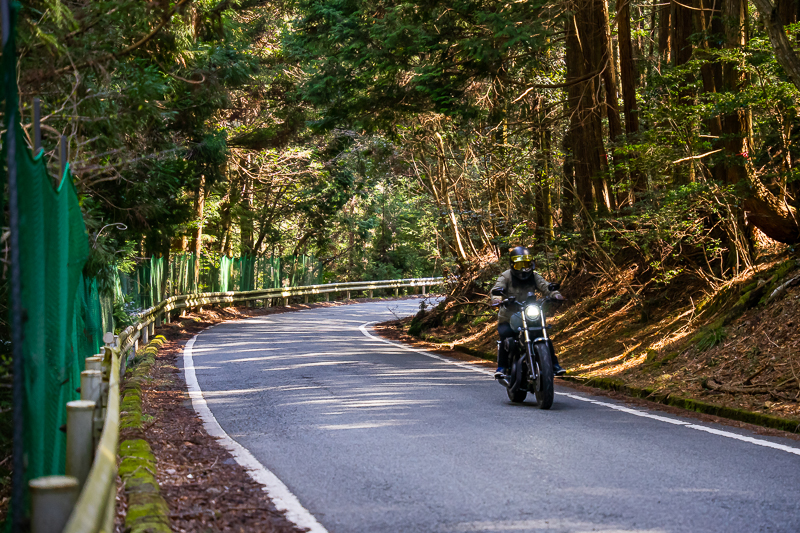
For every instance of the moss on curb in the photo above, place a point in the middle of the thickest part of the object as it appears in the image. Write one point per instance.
(147, 511)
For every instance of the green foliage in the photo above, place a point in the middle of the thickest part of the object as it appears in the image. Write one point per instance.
(369, 64)
(710, 337)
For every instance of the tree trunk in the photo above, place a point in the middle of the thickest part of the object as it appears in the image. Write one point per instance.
(780, 42)
(627, 73)
(584, 56)
(682, 30)
(612, 99)
(246, 218)
(664, 35)
(776, 218)
(444, 192)
(197, 234)
(568, 187)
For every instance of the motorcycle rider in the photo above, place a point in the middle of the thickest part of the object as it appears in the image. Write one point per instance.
(518, 281)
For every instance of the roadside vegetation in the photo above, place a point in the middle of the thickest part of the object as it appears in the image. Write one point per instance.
(647, 152)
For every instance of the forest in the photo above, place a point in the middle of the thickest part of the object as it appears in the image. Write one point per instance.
(396, 139)
(651, 147)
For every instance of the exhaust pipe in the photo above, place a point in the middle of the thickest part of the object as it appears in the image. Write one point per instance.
(503, 382)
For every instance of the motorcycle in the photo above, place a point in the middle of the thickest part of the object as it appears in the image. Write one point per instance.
(529, 352)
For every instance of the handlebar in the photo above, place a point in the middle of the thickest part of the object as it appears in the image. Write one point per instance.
(511, 300)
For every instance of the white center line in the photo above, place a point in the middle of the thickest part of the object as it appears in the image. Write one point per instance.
(623, 409)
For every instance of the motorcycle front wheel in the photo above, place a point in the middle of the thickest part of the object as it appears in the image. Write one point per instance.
(544, 392)
(518, 396)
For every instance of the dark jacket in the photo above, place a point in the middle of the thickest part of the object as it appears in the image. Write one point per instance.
(518, 289)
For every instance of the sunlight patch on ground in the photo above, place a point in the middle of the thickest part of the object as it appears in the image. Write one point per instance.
(363, 425)
(592, 366)
(616, 369)
(547, 526)
(217, 393)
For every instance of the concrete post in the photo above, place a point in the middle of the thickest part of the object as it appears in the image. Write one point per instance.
(52, 500)
(146, 335)
(348, 295)
(305, 299)
(91, 385)
(94, 362)
(166, 317)
(286, 302)
(370, 293)
(396, 292)
(80, 446)
(423, 290)
(327, 297)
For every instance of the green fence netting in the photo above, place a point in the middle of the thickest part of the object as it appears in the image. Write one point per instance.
(62, 317)
(216, 273)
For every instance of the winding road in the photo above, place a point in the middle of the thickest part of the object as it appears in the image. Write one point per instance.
(375, 437)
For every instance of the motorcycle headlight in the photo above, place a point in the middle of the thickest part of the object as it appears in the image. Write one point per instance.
(532, 312)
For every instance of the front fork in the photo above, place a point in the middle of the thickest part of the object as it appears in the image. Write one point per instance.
(529, 344)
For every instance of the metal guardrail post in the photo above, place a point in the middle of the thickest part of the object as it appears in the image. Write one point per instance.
(348, 295)
(52, 501)
(80, 440)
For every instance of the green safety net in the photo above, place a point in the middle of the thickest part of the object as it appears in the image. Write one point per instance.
(61, 310)
(216, 273)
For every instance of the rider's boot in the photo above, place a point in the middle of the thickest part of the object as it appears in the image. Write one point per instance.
(557, 369)
(502, 360)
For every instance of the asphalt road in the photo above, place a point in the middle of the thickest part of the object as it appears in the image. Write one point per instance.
(372, 437)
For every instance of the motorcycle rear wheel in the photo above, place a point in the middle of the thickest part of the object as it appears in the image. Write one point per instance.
(545, 393)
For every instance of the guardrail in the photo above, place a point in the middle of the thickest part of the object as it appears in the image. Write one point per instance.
(84, 500)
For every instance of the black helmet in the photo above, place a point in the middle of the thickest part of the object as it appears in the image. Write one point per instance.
(521, 262)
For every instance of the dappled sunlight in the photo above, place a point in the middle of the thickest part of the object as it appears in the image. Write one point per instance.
(591, 366)
(232, 392)
(616, 369)
(337, 398)
(285, 357)
(213, 346)
(362, 425)
(546, 526)
(354, 403)
(306, 365)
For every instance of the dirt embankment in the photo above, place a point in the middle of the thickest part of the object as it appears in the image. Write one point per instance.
(735, 345)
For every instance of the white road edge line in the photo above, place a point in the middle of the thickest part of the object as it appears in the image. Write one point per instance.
(281, 496)
(628, 410)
